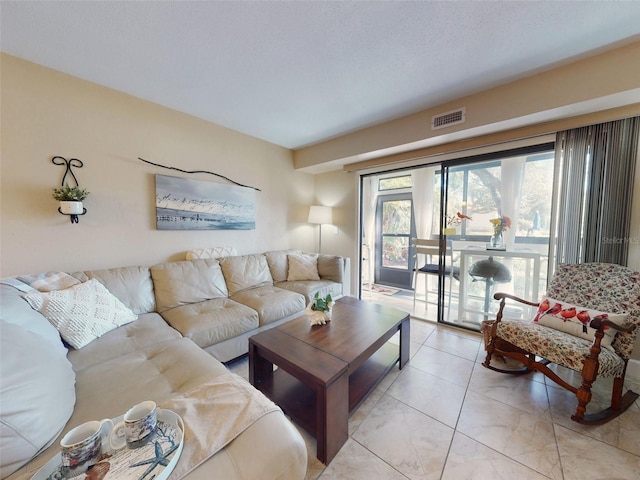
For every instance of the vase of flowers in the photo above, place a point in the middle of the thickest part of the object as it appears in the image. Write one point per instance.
(319, 310)
(500, 225)
(496, 239)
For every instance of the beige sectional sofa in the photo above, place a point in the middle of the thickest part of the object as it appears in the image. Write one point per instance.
(219, 303)
(189, 317)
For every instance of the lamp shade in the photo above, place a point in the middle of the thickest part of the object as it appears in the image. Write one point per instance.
(320, 214)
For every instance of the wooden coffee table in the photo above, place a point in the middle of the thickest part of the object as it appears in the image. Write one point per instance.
(326, 371)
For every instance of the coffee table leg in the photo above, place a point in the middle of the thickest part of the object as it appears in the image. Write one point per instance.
(404, 341)
(332, 416)
(260, 370)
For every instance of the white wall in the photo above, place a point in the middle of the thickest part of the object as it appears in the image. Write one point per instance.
(339, 190)
(46, 113)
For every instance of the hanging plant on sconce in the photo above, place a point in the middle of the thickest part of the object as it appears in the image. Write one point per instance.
(70, 194)
(70, 199)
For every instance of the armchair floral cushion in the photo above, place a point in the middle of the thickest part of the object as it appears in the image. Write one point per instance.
(559, 347)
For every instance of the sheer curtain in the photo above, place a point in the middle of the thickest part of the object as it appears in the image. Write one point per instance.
(512, 172)
(369, 199)
(595, 173)
(422, 193)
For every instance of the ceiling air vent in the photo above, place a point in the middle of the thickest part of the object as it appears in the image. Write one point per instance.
(454, 117)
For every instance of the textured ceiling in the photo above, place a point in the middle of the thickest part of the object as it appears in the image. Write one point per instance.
(296, 73)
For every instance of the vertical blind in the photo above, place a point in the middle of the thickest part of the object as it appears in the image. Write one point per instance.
(596, 167)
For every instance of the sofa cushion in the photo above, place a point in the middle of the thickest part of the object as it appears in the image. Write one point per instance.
(245, 271)
(279, 264)
(149, 329)
(282, 453)
(131, 285)
(17, 311)
(271, 303)
(37, 394)
(302, 267)
(157, 372)
(331, 267)
(309, 288)
(83, 312)
(212, 321)
(185, 282)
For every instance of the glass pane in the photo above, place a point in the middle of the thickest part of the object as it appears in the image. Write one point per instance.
(395, 183)
(483, 198)
(535, 202)
(455, 194)
(395, 252)
(396, 217)
(456, 202)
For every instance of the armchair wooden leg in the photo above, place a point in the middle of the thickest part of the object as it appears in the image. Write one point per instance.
(616, 394)
(619, 404)
(488, 330)
(584, 397)
(494, 345)
(489, 348)
(589, 374)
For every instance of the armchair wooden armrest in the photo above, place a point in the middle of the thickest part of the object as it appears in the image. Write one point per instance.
(601, 323)
(503, 297)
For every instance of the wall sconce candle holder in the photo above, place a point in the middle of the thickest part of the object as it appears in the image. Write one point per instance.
(70, 198)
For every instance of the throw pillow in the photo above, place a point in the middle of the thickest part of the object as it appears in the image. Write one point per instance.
(50, 281)
(574, 319)
(302, 267)
(215, 252)
(81, 313)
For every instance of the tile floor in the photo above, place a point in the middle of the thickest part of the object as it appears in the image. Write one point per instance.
(445, 416)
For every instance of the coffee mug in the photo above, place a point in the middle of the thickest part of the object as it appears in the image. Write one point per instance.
(139, 423)
(81, 447)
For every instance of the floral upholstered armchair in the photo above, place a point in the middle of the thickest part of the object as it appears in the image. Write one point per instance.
(587, 322)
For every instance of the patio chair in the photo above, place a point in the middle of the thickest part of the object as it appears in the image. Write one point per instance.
(428, 251)
(587, 322)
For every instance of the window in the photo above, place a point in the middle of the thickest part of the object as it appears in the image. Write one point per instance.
(394, 183)
(396, 231)
(535, 205)
(518, 186)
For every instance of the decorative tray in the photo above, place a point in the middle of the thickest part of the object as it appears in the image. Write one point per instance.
(153, 461)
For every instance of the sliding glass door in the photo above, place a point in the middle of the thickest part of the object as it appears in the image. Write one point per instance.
(462, 205)
(497, 212)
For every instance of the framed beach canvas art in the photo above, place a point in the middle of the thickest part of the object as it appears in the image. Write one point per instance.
(184, 204)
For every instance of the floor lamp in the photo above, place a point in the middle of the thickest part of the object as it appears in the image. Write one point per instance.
(320, 215)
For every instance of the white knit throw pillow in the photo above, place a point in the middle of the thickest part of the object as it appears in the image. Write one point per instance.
(83, 312)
